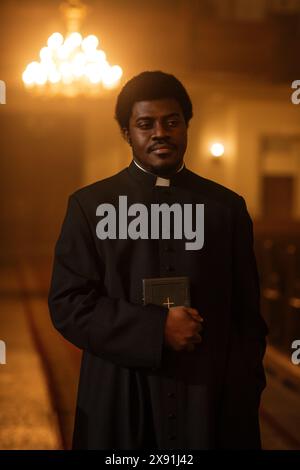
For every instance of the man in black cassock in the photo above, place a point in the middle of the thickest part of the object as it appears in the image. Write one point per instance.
(152, 376)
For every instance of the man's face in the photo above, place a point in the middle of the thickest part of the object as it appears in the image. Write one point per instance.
(158, 135)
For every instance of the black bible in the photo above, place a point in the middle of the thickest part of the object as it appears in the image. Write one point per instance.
(167, 291)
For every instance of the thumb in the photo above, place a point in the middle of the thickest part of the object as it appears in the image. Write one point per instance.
(195, 314)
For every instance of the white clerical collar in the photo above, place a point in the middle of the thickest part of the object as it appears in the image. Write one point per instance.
(160, 181)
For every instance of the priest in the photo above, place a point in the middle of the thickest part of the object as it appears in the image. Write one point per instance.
(160, 376)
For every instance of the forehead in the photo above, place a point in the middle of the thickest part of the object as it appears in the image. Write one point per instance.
(156, 108)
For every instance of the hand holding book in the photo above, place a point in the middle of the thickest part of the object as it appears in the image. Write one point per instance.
(182, 329)
(184, 324)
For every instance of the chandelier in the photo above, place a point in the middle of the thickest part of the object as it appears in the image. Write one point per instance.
(72, 65)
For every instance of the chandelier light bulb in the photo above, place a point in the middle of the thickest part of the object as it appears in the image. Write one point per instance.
(90, 43)
(55, 40)
(73, 41)
(45, 54)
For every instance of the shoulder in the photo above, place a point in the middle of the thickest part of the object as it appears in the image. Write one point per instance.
(213, 190)
(99, 189)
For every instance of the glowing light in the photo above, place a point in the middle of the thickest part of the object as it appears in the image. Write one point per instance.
(54, 77)
(55, 40)
(40, 75)
(217, 149)
(111, 76)
(73, 41)
(93, 73)
(72, 65)
(95, 55)
(28, 78)
(91, 42)
(45, 54)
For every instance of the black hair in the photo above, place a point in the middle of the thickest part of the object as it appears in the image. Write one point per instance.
(149, 86)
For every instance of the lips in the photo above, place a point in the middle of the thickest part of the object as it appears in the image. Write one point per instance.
(161, 149)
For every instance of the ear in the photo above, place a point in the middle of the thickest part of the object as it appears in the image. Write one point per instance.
(126, 135)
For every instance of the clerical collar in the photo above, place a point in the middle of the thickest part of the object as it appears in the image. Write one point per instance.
(154, 179)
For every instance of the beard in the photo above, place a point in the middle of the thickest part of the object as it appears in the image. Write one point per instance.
(162, 168)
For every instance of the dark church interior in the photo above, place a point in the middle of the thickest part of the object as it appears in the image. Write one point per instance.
(239, 60)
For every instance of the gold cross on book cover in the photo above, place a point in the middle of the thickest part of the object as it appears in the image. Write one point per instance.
(167, 291)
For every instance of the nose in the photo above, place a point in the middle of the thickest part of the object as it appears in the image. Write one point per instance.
(159, 131)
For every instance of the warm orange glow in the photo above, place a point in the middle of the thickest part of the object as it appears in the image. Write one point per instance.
(72, 65)
(217, 149)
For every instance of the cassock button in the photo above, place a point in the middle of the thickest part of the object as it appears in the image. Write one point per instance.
(172, 437)
(171, 416)
(171, 395)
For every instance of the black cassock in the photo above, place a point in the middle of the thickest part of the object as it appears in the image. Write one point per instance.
(133, 392)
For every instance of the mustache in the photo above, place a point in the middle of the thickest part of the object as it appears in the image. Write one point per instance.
(160, 144)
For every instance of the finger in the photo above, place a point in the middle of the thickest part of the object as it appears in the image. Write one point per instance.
(198, 328)
(195, 315)
(196, 339)
(197, 332)
(192, 311)
(197, 324)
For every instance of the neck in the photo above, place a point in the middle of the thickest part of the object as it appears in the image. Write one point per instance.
(167, 174)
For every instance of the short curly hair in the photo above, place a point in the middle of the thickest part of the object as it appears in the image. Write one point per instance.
(149, 86)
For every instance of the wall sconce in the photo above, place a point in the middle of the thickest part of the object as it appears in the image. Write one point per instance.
(217, 150)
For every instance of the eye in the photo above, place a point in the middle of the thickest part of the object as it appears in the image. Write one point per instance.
(144, 125)
(173, 123)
